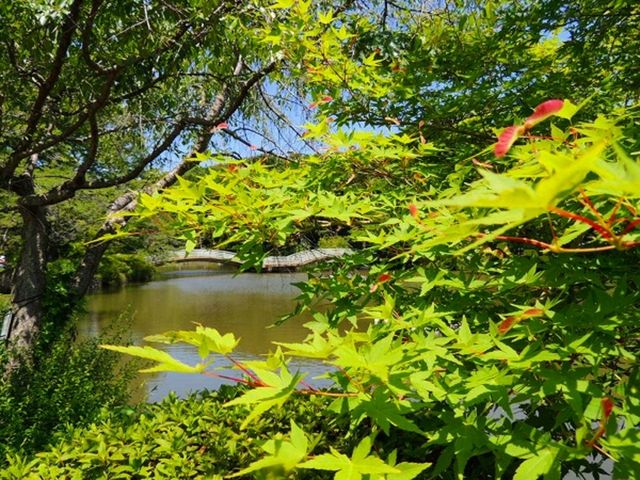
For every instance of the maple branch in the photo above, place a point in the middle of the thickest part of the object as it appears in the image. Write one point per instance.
(603, 231)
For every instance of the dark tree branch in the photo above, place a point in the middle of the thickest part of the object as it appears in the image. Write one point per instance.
(235, 135)
(86, 38)
(90, 109)
(67, 190)
(31, 75)
(128, 201)
(104, 99)
(66, 37)
(280, 116)
(247, 86)
(141, 164)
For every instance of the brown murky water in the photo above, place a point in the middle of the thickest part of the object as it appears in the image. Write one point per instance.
(246, 304)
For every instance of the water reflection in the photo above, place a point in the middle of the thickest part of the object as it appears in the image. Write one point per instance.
(246, 304)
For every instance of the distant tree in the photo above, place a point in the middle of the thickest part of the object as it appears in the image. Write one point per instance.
(94, 93)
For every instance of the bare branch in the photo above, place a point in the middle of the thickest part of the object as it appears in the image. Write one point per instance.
(141, 164)
(86, 38)
(247, 86)
(280, 116)
(234, 135)
(90, 109)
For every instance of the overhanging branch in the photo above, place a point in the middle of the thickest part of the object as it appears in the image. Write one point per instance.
(66, 37)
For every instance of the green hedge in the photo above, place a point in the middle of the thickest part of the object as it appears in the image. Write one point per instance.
(178, 439)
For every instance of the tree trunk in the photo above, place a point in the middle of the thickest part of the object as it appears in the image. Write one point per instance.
(5, 281)
(29, 283)
(91, 260)
(87, 269)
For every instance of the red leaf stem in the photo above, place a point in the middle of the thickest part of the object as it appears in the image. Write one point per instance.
(527, 241)
(248, 372)
(612, 217)
(607, 407)
(604, 232)
(631, 226)
(227, 377)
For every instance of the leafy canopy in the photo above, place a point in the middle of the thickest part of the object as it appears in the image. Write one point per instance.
(489, 306)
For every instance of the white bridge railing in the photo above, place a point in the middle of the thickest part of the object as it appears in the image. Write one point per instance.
(294, 260)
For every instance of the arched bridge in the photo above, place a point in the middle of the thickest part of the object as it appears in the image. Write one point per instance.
(295, 260)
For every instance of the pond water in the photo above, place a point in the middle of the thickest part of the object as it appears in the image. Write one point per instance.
(246, 304)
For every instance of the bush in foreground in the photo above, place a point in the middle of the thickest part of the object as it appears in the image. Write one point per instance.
(193, 438)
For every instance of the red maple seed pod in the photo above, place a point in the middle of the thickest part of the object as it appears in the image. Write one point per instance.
(222, 125)
(533, 312)
(506, 139)
(543, 111)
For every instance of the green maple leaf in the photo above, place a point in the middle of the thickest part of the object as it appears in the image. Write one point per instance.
(275, 394)
(360, 463)
(283, 454)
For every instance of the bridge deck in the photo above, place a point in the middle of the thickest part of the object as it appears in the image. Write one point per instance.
(294, 260)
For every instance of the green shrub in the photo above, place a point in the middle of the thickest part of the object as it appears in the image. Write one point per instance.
(193, 438)
(117, 269)
(333, 242)
(4, 303)
(197, 437)
(69, 385)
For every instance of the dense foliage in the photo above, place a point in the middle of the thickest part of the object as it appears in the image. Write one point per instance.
(193, 438)
(72, 383)
(482, 160)
(498, 306)
(507, 347)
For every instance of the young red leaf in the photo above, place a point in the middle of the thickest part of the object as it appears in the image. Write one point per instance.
(507, 138)
(222, 125)
(543, 111)
(413, 210)
(533, 312)
(505, 325)
(323, 100)
(385, 277)
(607, 407)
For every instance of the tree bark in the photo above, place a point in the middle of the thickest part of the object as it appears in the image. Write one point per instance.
(5, 281)
(29, 283)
